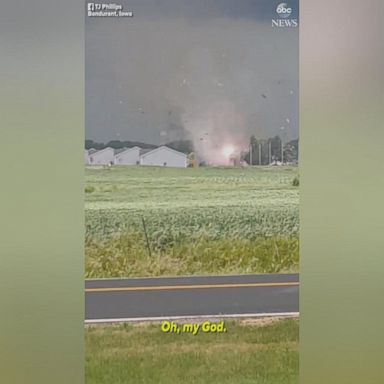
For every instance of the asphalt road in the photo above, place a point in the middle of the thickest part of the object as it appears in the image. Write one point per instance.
(138, 299)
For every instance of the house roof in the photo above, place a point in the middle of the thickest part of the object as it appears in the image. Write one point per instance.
(121, 150)
(92, 150)
(163, 147)
(146, 150)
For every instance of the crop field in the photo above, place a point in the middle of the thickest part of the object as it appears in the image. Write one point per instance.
(143, 221)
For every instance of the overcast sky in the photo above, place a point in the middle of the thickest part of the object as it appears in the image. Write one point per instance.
(201, 69)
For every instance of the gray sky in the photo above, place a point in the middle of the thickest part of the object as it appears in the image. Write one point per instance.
(201, 69)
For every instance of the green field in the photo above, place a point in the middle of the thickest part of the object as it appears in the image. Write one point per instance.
(205, 220)
(247, 353)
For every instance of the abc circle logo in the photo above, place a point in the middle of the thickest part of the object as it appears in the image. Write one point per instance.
(283, 10)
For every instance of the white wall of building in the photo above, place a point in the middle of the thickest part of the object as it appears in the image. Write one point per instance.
(103, 157)
(130, 156)
(164, 157)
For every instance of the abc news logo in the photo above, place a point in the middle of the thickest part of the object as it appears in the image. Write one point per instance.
(284, 11)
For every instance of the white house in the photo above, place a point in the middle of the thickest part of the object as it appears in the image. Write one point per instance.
(103, 157)
(87, 155)
(164, 157)
(127, 156)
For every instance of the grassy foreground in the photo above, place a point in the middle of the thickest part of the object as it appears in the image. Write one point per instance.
(143, 221)
(247, 353)
(125, 255)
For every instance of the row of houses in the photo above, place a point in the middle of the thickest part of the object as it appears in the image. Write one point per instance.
(161, 156)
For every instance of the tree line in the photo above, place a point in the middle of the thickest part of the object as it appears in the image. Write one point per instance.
(260, 151)
(271, 150)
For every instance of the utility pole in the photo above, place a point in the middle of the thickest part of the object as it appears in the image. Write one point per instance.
(282, 152)
(146, 237)
(298, 150)
(250, 153)
(259, 153)
(269, 152)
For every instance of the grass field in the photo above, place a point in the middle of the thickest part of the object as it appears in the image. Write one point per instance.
(247, 353)
(205, 220)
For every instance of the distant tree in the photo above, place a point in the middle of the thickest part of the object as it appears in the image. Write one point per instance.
(192, 161)
(184, 146)
(275, 148)
(130, 144)
(117, 144)
(92, 144)
(264, 147)
(291, 151)
(266, 150)
(254, 145)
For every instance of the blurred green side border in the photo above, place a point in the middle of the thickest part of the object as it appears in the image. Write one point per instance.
(41, 188)
(342, 182)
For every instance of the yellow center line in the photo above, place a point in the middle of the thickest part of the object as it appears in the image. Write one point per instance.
(192, 286)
